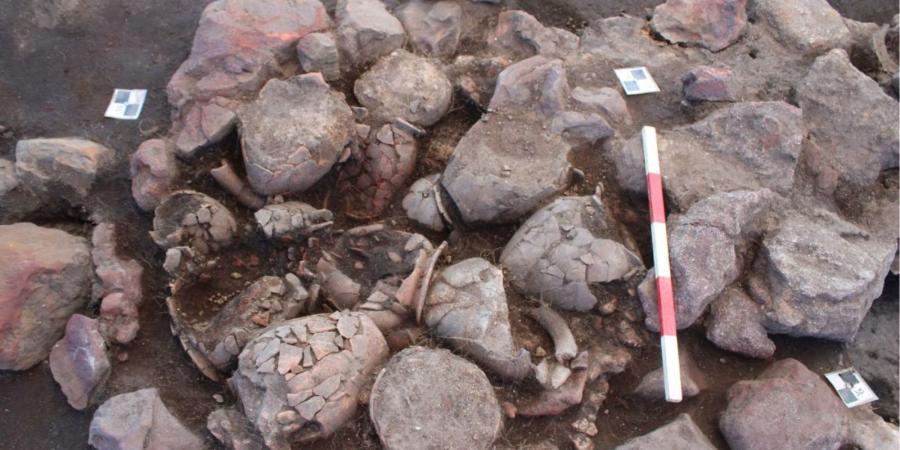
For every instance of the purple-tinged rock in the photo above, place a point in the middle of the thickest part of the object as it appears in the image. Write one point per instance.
(714, 24)
(79, 361)
(710, 84)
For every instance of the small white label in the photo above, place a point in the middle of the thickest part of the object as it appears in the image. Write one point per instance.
(126, 104)
(851, 388)
(636, 80)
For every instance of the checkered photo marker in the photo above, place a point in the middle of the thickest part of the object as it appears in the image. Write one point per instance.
(126, 104)
(636, 80)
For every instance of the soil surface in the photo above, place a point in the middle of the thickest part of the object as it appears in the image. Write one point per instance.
(60, 61)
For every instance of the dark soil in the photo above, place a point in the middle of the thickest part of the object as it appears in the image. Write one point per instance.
(57, 72)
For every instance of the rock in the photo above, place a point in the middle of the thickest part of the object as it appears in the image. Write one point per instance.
(735, 324)
(139, 420)
(745, 146)
(607, 101)
(420, 388)
(475, 77)
(710, 84)
(8, 179)
(306, 402)
(817, 276)
(293, 134)
(651, 386)
(567, 248)
(366, 31)
(679, 434)
(406, 86)
(810, 27)
(216, 341)
(854, 139)
(606, 359)
(177, 221)
(519, 35)
(377, 169)
(786, 407)
(153, 172)
(875, 349)
(868, 430)
(50, 281)
(231, 428)
(538, 83)
(239, 44)
(318, 52)
(433, 27)
(467, 308)
(708, 247)
(61, 167)
(421, 203)
(203, 124)
(292, 220)
(714, 24)
(79, 362)
(119, 287)
(504, 168)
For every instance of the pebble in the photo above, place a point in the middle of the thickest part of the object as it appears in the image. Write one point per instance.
(585, 426)
(582, 442)
(122, 357)
(509, 410)
(219, 398)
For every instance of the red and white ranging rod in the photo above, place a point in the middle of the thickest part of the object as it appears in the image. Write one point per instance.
(664, 294)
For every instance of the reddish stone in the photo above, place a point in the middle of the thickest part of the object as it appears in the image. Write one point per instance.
(45, 277)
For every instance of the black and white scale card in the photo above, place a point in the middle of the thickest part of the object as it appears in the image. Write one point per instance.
(850, 386)
(636, 80)
(126, 104)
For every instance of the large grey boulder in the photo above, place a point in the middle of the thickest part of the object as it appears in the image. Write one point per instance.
(467, 308)
(61, 167)
(427, 398)
(293, 134)
(714, 24)
(809, 26)
(817, 275)
(305, 390)
(79, 362)
(505, 167)
(708, 248)
(366, 31)
(139, 421)
(404, 86)
(851, 122)
(46, 279)
(746, 146)
(433, 27)
(567, 248)
(679, 434)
